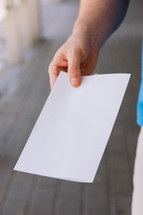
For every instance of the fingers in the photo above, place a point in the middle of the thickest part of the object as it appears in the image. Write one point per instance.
(72, 58)
(74, 70)
(53, 74)
(58, 64)
(71, 65)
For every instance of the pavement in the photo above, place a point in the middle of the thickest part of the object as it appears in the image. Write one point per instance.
(24, 89)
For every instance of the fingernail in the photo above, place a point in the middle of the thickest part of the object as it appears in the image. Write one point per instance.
(75, 82)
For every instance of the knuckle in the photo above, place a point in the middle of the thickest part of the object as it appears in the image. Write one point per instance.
(74, 68)
(74, 76)
(52, 70)
(74, 72)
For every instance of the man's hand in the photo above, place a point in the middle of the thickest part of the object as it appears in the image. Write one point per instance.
(77, 56)
(96, 21)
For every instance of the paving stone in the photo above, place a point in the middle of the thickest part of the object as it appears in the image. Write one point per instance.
(96, 197)
(43, 212)
(124, 206)
(15, 207)
(71, 190)
(20, 187)
(70, 206)
(4, 175)
(44, 199)
(45, 182)
(123, 184)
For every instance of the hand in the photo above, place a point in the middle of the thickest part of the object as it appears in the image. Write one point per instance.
(77, 56)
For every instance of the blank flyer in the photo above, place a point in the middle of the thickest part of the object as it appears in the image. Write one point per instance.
(72, 131)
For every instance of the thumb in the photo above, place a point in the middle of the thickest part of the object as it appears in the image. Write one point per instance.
(74, 71)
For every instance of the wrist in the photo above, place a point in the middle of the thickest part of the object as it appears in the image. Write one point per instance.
(86, 30)
(97, 33)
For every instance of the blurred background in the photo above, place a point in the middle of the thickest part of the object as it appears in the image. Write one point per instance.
(30, 33)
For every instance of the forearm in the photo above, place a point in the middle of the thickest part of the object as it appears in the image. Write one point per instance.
(99, 19)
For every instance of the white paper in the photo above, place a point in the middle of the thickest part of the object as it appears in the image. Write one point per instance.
(72, 131)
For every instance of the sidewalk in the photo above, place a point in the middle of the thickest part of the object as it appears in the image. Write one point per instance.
(23, 91)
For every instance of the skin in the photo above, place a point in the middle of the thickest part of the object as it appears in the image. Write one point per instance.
(78, 56)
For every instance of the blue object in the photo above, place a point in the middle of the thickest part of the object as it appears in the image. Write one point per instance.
(140, 98)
